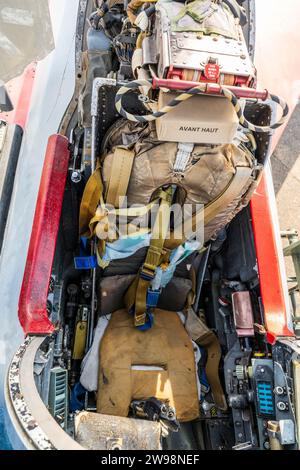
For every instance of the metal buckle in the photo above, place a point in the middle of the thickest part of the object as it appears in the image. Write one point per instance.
(85, 262)
(153, 297)
(147, 274)
(139, 320)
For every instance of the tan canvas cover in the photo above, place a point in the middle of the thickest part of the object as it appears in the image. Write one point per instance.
(201, 119)
(167, 346)
(208, 172)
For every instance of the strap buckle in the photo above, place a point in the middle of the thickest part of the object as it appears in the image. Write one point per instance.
(147, 274)
(183, 155)
(85, 262)
(153, 297)
(145, 321)
(139, 320)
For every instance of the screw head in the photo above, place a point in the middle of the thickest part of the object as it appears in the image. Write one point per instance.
(76, 177)
(279, 390)
(267, 445)
(281, 406)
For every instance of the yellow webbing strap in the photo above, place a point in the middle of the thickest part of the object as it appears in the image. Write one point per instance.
(213, 208)
(235, 189)
(117, 187)
(120, 176)
(133, 6)
(89, 217)
(137, 294)
(90, 201)
(100, 223)
(203, 336)
(193, 278)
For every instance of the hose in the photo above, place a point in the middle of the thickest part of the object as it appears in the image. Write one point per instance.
(200, 89)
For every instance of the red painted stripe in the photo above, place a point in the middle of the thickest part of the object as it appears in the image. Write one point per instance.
(34, 291)
(20, 92)
(275, 313)
(23, 105)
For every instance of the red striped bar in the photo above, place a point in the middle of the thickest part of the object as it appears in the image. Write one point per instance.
(33, 314)
(211, 88)
(272, 294)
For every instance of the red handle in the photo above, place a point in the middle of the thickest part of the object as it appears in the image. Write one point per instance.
(33, 314)
(210, 88)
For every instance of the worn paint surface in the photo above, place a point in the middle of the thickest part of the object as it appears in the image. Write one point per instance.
(23, 413)
(20, 92)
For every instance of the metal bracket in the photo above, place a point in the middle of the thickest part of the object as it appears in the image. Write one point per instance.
(97, 84)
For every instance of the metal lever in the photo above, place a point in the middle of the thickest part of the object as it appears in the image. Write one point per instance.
(155, 410)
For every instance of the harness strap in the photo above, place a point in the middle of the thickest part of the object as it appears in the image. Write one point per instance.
(199, 89)
(136, 296)
(120, 176)
(137, 293)
(235, 188)
(193, 278)
(182, 157)
(93, 195)
(133, 6)
(104, 220)
(90, 200)
(212, 209)
(203, 336)
(117, 188)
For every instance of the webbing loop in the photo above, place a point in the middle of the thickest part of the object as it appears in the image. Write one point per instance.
(200, 89)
